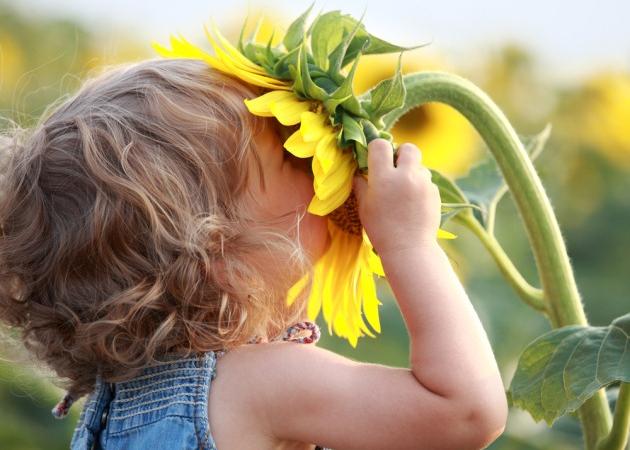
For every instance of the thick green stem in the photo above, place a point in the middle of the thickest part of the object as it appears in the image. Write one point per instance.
(618, 437)
(552, 261)
(534, 297)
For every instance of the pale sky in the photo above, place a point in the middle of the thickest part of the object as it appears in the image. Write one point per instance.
(570, 38)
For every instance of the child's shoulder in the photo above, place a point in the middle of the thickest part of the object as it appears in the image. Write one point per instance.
(243, 396)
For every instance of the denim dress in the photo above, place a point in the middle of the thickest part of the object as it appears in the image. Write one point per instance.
(165, 407)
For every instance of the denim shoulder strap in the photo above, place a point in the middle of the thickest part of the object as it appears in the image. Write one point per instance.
(165, 405)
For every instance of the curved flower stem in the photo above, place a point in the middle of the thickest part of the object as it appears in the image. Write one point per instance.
(552, 261)
(618, 437)
(534, 297)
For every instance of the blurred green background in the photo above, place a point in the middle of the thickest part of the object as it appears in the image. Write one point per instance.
(585, 168)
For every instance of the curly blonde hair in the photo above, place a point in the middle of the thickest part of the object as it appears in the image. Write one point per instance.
(123, 234)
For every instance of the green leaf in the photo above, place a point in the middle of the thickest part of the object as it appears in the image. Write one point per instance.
(484, 185)
(564, 367)
(450, 196)
(387, 95)
(295, 32)
(449, 192)
(452, 209)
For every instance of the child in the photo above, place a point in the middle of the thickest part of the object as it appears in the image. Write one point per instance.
(151, 227)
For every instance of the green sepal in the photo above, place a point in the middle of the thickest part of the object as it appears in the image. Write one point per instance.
(337, 56)
(281, 67)
(250, 49)
(387, 95)
(327, 32)
(240, 36)
(298, 85)
(344, 95)
(326, 84)
(337, 38)
(375, 46)
(370, 131)
(352, 131)
(296, 32)
(310, 88)
(360, 153)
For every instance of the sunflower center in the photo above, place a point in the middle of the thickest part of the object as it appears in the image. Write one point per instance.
(346, 216)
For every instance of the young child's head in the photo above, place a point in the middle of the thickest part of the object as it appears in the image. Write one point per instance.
(145, 215)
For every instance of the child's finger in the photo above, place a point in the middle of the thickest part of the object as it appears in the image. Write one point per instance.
(408, 156)
(380, 157)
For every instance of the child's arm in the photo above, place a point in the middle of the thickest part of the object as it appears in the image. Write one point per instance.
(451, 398)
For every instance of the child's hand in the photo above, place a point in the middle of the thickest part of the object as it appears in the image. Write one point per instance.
(399, 206)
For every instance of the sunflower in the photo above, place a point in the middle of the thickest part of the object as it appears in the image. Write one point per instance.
(343, 286)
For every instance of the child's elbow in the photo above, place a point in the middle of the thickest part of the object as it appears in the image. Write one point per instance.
(486, 436)
(488, 422)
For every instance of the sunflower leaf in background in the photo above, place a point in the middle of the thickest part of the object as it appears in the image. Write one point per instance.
(560, 370)
(450, 194)
(484, 185)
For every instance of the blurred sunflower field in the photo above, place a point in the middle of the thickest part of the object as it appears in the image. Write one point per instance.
(585, 169)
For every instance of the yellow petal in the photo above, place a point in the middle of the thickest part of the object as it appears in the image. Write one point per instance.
(370, 301)
(334, 262)
(313, 126)
(375, 264)
(317, 289)
(288, 111)
(260, 106)
(321, 207)
(180, 48)
(443, 234)
(255, 79)
(295, 290)
(243, 72)
(343, 312)
(233, 53)
(237, 65)
(327, 152)
(314, 304)
(327, 185)
(296, 146)
(374, 261)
